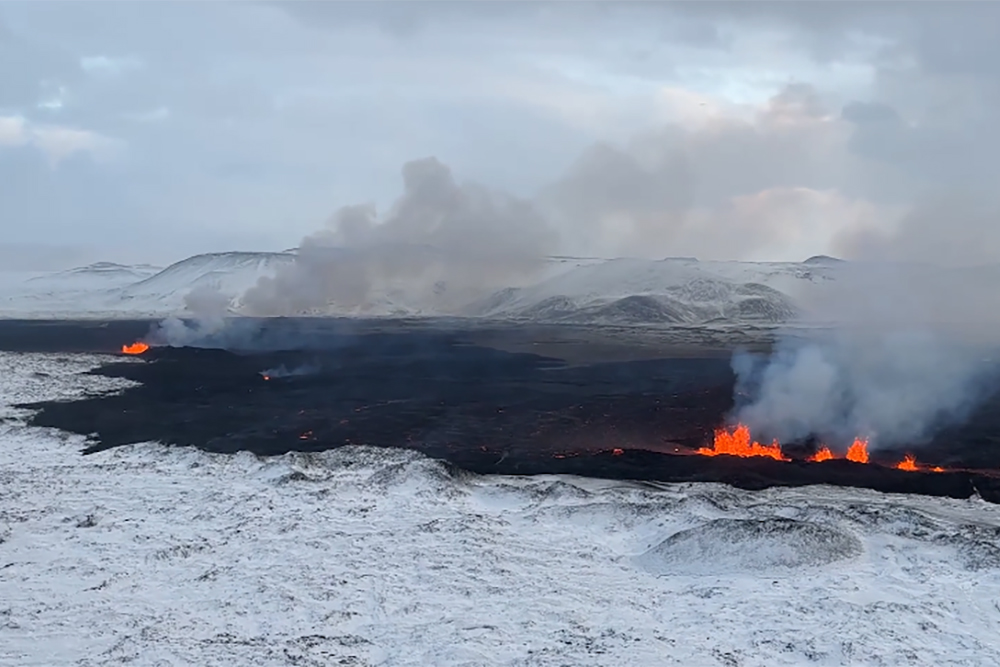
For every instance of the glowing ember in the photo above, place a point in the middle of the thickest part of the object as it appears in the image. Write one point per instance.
(617, 451)
(909, 463)
(738, 443)
(134, 348)
(858, 451)
(823, 454)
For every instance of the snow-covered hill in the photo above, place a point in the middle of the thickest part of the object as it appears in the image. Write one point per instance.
(153, 555)
(102, 275)
(672, 291)
(669, 291)
(231, 273)
(114, 290)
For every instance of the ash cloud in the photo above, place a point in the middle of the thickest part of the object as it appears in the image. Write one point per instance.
(440, 245)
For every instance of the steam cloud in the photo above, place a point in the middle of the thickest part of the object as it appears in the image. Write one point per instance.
(893, 387)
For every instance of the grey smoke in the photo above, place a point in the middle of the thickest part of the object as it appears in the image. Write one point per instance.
(441, 242)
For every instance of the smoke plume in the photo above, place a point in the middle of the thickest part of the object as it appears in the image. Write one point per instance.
(208, 307)
(896, 387)
(901, 353)
(440, 245)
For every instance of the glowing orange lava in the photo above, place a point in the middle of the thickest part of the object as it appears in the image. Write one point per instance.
(738, 443)
(858, 451)
(134, 348)
(822, 454)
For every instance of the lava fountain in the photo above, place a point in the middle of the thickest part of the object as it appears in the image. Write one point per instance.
(858, 451)
(137, 347)
(822, 454)
(738, 443)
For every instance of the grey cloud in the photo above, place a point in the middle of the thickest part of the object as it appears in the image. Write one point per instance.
(273, 119)
(709, 188)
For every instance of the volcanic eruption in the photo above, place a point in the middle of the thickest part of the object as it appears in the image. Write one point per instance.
(739, 442)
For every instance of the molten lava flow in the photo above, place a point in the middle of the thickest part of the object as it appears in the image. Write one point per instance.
(822, 454)
(137, 347)
(909, 463)
(858, 451)
(738, 443)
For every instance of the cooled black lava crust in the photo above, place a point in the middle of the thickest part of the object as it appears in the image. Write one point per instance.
(480, 408)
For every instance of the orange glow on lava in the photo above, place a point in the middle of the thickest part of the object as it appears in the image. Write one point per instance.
(858, 451)
(738, 443)
(908, 463)
(137, 347)
(822, 454)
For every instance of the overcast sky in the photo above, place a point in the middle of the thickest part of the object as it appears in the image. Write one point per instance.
(148, 131)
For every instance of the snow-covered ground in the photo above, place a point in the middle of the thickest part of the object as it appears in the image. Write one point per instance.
(147, 555)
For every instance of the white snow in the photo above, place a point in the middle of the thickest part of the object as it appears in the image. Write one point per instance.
(149, 555)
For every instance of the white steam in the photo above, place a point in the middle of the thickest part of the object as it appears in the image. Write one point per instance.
(903, 354)
(209, 307)
(892, 387)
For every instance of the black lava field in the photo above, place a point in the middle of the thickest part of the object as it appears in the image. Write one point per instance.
(463, 396)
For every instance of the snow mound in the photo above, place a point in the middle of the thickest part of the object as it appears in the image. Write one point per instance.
(734, 546)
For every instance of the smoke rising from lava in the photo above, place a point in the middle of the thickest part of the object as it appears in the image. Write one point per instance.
(900, 357)
(209, 307)
(895, 387)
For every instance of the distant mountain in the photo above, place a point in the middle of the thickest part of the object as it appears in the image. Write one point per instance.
(671, 291)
